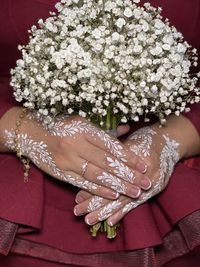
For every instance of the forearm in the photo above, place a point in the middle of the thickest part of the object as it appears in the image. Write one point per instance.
(183, 131)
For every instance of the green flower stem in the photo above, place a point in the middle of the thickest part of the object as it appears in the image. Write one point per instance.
(109, 125)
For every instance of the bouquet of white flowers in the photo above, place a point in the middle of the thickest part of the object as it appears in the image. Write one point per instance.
(110, 61)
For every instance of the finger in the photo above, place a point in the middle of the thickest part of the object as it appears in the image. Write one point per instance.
(115, 218)
(105, 179)
(105, 212)
(90, 205)
(109, 144)
(78, 181)
(116, 170)
(107, 162)
(112, 165)
(143, 182)
(122, 129)
(122, 171)
(82, 196)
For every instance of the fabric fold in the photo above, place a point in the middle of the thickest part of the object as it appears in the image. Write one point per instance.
(8, 231)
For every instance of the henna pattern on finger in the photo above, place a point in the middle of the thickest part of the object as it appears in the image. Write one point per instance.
(107, 210)
(121, 170)
(94, 204)
(114, 182)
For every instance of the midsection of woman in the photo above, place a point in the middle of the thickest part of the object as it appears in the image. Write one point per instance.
(47, 215)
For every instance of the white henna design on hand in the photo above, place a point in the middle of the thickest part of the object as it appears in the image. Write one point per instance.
(60, 128)
(94, 204)
(107, 211)
(121, 170)
(168, 158)
(144, 139)
(114, 182)
(38, 153)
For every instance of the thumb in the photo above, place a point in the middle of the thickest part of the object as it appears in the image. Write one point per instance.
(122, 129)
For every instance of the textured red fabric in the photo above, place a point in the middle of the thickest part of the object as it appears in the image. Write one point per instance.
(174, 251)
(8, 231)
(43, 208)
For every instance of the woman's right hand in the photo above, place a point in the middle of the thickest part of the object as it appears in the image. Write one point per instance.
(72, 142)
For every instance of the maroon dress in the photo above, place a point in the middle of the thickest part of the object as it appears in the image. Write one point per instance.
(37, 224)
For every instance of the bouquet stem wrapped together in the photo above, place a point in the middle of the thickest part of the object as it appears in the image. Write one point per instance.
(111, 231)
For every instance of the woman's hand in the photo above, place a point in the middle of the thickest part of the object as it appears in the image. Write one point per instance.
(74, 148)
(156, 146)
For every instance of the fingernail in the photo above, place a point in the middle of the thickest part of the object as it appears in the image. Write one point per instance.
(145, 183)
(91, 221)
(75, 212)
(110, 223)
(79, 199)
(135, 191)
(141, 167)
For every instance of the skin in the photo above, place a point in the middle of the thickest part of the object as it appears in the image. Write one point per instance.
(69, 153)
(177, 128)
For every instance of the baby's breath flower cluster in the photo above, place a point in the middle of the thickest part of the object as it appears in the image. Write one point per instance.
(100, 56)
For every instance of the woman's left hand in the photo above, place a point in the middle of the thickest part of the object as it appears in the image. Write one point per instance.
(161, 148)
(160, 153)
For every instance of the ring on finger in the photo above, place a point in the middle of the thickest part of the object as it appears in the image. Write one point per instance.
(84, 168)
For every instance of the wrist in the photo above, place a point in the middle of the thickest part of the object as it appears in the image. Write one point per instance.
(8, 122)
(183, 132)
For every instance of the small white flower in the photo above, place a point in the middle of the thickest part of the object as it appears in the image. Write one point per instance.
(137, 13)
(108, 54)
(145, 26)
(120, 22)
(137, 49)
(181, 48)
(115, 36)
(70, 110)
(159, 24)
(128, 12)
(119, 2)
(82, 114)
(96, 33)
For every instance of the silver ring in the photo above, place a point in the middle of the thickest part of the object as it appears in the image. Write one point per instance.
(84, 168)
